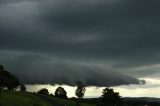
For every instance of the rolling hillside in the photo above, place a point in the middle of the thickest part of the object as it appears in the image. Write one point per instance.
(10, 98)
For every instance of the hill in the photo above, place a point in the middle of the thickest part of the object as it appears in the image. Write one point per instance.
(10, 98)
(142, 101)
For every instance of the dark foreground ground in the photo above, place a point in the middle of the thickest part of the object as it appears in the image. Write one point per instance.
(10, 98)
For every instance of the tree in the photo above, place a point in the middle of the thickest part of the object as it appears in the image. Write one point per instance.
(60, 92)
(13, 83)
(22, 88)
(43, 91)
(7, 79)
(80, 91)
(110, 97)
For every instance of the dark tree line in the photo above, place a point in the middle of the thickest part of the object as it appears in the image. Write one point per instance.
(43, 91)
(60, 92)
(111, 98)
(9, 81)
(108, 98)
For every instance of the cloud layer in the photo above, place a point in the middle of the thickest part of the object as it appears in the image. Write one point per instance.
(40, 69)
(90, 38)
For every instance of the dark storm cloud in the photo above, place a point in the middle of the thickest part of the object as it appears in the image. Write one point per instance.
(2, 2)
(120, 34)
(37, 68)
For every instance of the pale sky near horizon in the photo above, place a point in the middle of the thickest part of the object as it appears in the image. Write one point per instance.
(150, 89)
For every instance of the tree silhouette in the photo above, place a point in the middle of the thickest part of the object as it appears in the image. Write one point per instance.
(22, 88)
(60, 92)
(8, 80)
(80, 91)
(43, 91)
(110, 97)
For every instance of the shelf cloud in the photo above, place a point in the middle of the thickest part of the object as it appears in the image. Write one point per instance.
(100, 42)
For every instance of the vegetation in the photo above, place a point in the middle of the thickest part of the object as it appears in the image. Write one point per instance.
(10, 98)
(80, 91)
(22, 88)
(8, 80)
(109, 97)
(60, 92)
(69, 102)
(43, 91)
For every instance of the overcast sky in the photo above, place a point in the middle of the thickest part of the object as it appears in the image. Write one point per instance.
(99, 42)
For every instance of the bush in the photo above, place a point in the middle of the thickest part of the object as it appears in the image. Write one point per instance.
(60, 92)
(43, 91)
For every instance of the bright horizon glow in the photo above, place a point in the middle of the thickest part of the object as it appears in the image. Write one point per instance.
(150, 89)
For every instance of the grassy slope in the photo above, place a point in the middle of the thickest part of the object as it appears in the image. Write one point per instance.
(68, 102)
(9, 98)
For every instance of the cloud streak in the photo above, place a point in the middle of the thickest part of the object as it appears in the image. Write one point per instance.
(117, 36)
(32, 68)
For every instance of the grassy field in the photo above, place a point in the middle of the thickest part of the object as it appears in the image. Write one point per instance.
(68, 102)
(10, 98)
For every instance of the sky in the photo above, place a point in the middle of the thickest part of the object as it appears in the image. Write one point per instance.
(99, 42)
(150, 89)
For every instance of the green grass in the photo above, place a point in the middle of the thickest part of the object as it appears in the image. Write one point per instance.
(10, 98)
(68, 102)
